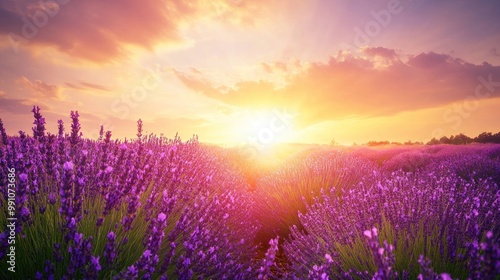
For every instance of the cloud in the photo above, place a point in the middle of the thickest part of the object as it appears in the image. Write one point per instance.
(380, 52)
(494, 52)
(102, 31)
(197, 83)
(15, 106)
(195, 71)
(42, 89)
(86, 86)
(274, 67)
(433, 60)
(349, 85)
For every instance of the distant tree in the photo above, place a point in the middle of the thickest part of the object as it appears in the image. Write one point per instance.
(485, 137)
(460, 139)
(377, 143)
(444, 140)
(433, 141)
(410, 143)
(333, 143)
(496, 138)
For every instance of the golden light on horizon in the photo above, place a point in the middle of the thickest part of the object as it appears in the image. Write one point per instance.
(265, 128)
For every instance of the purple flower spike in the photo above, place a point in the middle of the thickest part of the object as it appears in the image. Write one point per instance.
(68, 165)
(162, 217)
(23, 177)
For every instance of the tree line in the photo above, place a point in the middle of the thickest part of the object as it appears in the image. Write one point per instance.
(459, 139)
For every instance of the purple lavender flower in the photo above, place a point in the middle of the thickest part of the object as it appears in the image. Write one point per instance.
(60, 128)
(110, 250)
(139, 129)
(92, 269)
(57, 252)
(23, 177)
(68, 166)
(269, 261)
(75, 129)
(3, 134)
(52, 198)
(39, 129)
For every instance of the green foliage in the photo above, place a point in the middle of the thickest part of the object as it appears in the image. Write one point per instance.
(35, 245)
(409, 245)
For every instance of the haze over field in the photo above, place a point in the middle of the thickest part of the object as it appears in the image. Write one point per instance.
(225, 69)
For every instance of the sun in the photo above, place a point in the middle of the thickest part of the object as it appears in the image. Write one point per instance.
(263, 129)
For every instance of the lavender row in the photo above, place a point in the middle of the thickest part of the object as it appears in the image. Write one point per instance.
(150, 207)
(436, 213)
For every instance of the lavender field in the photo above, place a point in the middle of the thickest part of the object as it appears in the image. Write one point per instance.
(160, 208)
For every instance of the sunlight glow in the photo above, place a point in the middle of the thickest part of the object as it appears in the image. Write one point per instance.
(265, 128)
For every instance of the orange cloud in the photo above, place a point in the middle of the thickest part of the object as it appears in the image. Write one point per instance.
(86, 86)
(101, 31)
(349, 85)
(282, 67)
(42, 89)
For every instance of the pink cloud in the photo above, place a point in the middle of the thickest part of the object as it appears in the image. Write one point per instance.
(433, 60)
(381, 52)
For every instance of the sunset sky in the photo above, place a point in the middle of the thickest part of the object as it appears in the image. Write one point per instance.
(234, 70)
